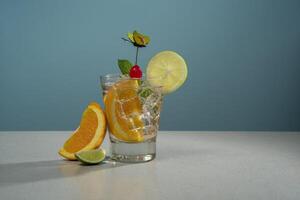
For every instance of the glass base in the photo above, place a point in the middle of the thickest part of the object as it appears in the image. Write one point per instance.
(133, 152)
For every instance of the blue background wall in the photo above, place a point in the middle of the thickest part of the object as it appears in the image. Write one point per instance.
(243, 59)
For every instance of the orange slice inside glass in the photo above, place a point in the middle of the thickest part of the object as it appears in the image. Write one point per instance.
(124, 111)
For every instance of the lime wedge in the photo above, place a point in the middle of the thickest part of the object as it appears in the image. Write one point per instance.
(91, 157)
(168, 70)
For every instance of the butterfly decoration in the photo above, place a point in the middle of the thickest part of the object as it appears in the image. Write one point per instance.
(138, 39)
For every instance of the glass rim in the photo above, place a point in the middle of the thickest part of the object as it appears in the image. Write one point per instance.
(121, 76)
(110, 76)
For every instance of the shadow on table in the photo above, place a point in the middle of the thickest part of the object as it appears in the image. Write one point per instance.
(17, 173)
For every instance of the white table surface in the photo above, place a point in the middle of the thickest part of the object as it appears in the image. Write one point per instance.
(189, 165)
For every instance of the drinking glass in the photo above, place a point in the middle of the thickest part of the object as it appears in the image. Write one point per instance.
(132, 109)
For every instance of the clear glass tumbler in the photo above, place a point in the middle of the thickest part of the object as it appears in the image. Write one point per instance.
(132, 109)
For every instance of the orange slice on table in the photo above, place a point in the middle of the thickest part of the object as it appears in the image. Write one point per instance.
(124, 111)
(89, 135)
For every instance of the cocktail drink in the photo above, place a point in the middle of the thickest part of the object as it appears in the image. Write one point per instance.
(132, 109)
(133, 102)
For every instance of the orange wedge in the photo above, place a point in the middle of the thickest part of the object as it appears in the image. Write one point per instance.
(124, 111)
(89, 135)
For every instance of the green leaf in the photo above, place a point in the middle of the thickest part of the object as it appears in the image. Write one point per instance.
(125, 66)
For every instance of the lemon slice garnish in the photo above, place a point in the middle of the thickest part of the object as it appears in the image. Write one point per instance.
(168, 70)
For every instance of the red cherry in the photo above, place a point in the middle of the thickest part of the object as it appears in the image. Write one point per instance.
(135, 72)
